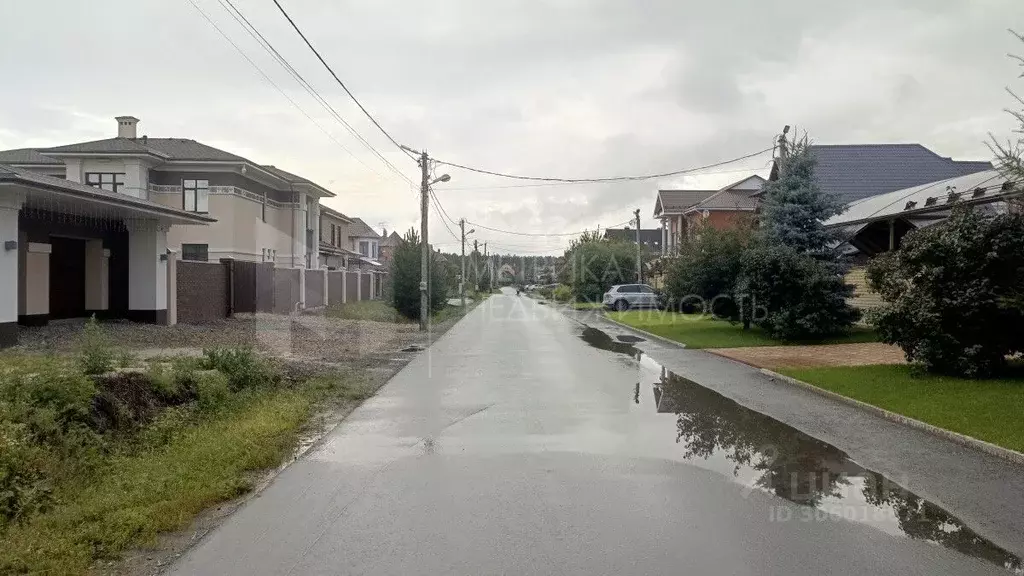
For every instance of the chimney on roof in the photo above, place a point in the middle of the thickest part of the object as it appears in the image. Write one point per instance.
(126, 126)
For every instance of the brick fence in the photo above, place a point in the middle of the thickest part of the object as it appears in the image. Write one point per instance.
(207, 291)
(202, 291)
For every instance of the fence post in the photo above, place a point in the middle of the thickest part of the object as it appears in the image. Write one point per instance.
(344, 286)
(326, 287)
(302, 288)
(359, 285)
(229, 263)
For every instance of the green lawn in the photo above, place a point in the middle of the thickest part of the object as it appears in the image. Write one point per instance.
(988, 410)
(587, 305)
(697, 331)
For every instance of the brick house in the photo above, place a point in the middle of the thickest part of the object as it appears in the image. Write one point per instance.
(680, 211)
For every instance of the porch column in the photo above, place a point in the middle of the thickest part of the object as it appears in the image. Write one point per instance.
(10, 205)
(34, 280)
(664, 237)
(147, 272)
(97, 278)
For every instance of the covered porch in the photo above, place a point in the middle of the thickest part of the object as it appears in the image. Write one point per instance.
(70, 250)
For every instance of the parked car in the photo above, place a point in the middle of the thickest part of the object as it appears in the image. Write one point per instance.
(625, 296)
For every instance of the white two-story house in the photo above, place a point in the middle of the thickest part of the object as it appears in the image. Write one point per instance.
(263, 213)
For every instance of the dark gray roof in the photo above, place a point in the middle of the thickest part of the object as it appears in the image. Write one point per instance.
(679, 200)
(284, 175)
(106, 146)
(360, 229)
(972, 166)
(855, 171)
(188, 149)
(34, 179)
(170, 148)
(648, 237)
(27, 156)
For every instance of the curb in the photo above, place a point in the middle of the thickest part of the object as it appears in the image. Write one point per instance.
(987, 447)
(661, 339)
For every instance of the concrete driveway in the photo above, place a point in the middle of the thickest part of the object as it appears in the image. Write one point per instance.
(524, 443)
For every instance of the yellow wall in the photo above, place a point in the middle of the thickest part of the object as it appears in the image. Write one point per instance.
(863, 297)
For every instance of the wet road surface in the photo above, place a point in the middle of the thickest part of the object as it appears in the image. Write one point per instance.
(525, 443)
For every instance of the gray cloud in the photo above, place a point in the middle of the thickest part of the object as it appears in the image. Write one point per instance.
(568, 88)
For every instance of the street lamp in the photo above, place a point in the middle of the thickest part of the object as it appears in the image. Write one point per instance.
(441, 178)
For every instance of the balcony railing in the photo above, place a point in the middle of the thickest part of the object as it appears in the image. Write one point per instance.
(221, 190)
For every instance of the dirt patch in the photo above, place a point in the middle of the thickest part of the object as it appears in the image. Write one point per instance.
(817, 356)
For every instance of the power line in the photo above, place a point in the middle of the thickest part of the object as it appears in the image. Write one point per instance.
(254, 32)
(435, 204)
(338, 80)
(538, 233)
(609, 179)
(278, 88)
(548, 184)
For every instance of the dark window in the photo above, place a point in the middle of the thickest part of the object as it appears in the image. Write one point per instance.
(111, 181)
(645, 289)
(364, 248)
(334, 235)
(195, 195)
(263, 208)
(197, 252)
(629, 289)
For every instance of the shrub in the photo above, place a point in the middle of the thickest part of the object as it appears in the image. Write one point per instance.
(954, 293)
(562, 293)
(594, 265)
(703, 277)
(242, 367)
(794, 296)
(23, 489)
(212, 390)
(97, 355)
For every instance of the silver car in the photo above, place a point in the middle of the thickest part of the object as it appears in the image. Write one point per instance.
(625, 296)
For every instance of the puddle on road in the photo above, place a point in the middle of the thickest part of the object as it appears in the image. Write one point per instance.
(764, 454)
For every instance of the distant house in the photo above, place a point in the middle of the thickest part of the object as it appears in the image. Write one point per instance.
(649, 239)
(365, 241)
(335, 251)
(855, 171)
(680, 211)
(387, 246)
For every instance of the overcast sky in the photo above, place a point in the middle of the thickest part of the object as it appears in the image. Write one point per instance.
(573, 88)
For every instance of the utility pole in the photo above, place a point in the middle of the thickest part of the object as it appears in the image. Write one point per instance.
(462, 280)
(425, 252)
(639, 261)
(782, 142)
(476, 267)
(490, 270)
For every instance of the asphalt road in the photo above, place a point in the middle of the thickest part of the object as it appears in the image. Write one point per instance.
(524, 443)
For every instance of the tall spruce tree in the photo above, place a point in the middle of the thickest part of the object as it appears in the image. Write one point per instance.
(794, 208)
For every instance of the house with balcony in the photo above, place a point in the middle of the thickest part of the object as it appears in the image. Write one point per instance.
(335, 251)
(258, 212)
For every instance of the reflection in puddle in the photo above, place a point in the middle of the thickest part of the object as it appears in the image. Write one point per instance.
(765, 454)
